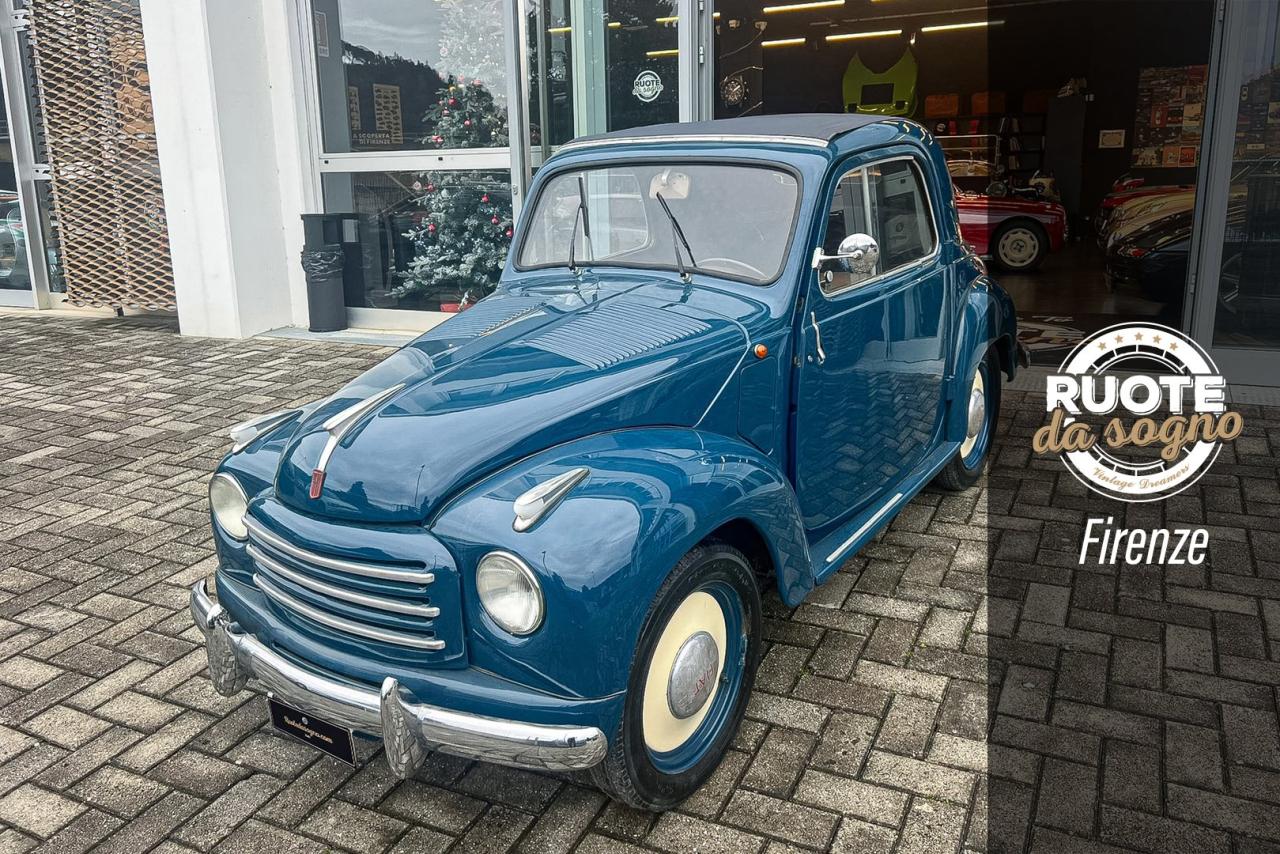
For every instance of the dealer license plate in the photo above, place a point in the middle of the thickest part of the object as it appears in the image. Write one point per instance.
(306, 727)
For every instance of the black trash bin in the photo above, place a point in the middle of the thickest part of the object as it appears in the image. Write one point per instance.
(331, 261)
(326, 307)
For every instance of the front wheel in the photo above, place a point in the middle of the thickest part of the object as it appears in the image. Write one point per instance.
(690, 680)
(983, 402)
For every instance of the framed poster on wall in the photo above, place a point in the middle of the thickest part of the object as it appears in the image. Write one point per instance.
(1170, 116)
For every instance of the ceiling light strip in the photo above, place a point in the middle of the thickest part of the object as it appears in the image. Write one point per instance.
(872, 34)
(783, 42)
(968, 25)
(800, 7)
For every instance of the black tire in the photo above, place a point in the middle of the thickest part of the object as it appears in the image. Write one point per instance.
(960, 474)
(628, 773)
(1030, 259)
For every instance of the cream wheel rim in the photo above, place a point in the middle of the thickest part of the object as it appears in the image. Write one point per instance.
(663, 731)
(971, 436)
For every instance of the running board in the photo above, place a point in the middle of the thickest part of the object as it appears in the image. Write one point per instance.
(833, 550)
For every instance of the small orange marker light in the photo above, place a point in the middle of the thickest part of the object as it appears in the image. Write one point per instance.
(761, 351)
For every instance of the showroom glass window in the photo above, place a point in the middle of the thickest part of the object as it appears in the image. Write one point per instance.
(414, 134)
(385, 67)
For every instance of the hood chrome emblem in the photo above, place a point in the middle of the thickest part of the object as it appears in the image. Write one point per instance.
(339, 425)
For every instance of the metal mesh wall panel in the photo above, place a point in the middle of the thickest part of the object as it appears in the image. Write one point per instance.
(91, 73)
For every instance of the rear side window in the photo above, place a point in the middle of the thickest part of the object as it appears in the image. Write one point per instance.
(886, 201)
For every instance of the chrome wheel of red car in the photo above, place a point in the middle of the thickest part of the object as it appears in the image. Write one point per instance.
(1020, 246)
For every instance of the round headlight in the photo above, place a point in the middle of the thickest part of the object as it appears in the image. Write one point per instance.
(228, 502)
(509, 592)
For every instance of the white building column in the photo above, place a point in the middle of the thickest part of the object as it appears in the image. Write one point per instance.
(231, 160)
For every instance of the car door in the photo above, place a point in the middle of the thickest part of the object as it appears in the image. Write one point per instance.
(869, 390)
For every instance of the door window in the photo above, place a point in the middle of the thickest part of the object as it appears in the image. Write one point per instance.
(887, 202)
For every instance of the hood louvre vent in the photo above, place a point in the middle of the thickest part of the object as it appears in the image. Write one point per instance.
(482, 318)
(614, 332)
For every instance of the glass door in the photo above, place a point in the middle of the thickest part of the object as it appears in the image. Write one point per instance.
(413, 151)
(1236, 287)
(593, 66)
(30, 276)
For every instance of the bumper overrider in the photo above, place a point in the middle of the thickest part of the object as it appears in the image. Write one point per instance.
(409, 728)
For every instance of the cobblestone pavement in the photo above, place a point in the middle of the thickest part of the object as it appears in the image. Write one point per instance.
(961, 683)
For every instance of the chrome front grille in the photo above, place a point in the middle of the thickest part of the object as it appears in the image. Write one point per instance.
(385, 602)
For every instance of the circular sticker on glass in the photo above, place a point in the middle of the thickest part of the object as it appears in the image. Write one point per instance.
(648, 86)
(1137, 412)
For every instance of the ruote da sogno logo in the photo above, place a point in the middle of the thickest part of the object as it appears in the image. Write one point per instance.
(1129, 433)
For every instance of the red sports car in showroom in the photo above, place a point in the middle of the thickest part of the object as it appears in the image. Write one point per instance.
(1016, 233)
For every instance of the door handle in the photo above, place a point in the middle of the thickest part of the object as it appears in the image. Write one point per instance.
(817, 337)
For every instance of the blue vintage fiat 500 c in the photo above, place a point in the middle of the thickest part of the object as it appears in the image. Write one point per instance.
(722, 355)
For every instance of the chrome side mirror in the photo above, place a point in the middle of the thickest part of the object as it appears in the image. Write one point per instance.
(859, 251)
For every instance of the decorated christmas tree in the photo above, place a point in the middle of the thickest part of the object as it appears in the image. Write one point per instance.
(462, 229)
(462, 226)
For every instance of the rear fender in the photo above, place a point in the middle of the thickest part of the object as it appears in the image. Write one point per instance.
(987, 320)
(652, 494)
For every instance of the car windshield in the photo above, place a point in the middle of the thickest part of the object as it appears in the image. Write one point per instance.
(726, 220)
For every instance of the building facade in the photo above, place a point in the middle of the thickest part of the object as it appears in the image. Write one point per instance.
(162, 154)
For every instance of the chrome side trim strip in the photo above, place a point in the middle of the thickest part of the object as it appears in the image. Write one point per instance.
(810, 141)
(387, 573)
(376, 602)
(344, 625)
(865, 526)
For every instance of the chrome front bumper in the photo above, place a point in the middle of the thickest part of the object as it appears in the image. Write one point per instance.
(409, 729)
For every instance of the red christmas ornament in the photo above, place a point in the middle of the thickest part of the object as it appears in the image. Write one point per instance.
(494, 220)
(431, 226)
(508, 232)
(467, 123)
(431, 188)
(485, 197)
(452, 101)
(444, 113)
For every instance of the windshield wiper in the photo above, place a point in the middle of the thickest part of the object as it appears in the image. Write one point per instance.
(677, 234)
(580, 214)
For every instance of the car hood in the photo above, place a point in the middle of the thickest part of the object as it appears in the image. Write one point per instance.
(516, 373)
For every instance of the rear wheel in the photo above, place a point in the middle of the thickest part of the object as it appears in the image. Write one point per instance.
(1020, 246)
(690, 681)
(983, 403)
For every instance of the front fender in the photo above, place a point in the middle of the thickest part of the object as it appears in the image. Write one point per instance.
(652, 494)
(988, 318)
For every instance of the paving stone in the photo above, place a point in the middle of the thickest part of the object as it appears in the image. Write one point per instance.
(790, 822)
(563, 822)
(258, 837)
(860, 837)
(221, 816)
(1131, 776)
(430, 805)
(353, 828)
(779, 761)
(1068, 795)
(119, 792)
(932, 781)
(852, 797)
(676, 832)
(38, 811)
(66, 727)
(932, 826)
(1193, 755)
